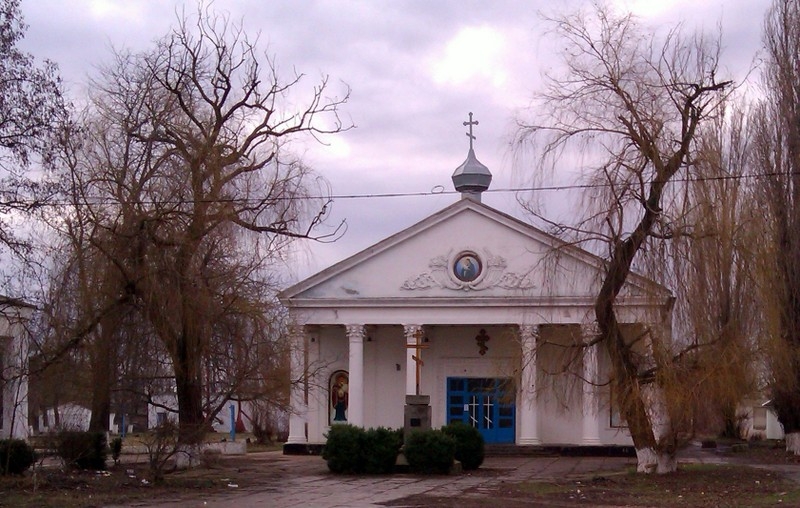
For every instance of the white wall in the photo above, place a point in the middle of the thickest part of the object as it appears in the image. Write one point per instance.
(773, 430)
(14, 369)
(169, 410)
(70, 417)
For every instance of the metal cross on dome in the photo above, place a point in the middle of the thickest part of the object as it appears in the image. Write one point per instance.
(469, 134)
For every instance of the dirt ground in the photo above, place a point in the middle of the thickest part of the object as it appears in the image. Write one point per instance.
(751, 478)
(692, 486)
(733, 484)
(48, 484)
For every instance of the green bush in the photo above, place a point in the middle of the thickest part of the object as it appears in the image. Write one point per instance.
(84, 450)
(344, 450)
(430, 451)
(470, 448)
(353, 450)
(16, 456)
(381, 447)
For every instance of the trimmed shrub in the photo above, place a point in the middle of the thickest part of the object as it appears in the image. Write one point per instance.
(470, 449)
(16, 456)
(344, 449)
(430, 451)
(353, 450)
(381, 447)
(84, 450)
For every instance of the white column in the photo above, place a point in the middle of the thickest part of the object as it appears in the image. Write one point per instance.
(528, 411)
(299, 408)
(317, 396)
(355, 406)
(591, 406)
(411, 332)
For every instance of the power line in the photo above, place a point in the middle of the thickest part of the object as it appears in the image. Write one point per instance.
(437, 190)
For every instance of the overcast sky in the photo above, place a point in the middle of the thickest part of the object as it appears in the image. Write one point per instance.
(416, 69)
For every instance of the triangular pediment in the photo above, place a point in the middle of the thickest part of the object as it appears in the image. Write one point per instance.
(466, 251)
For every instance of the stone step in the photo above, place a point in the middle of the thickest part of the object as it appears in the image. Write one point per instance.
(512, 450)
(508, 450)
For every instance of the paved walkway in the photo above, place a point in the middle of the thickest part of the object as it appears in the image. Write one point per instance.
(304, 481)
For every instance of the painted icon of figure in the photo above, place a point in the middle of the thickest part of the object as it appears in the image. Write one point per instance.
(339, 398)
(468, 268)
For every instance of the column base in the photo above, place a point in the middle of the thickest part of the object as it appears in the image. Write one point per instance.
(592, 441)
(529, 441)
(296, 440)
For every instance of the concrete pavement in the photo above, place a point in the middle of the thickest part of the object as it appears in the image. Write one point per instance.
(304, 481)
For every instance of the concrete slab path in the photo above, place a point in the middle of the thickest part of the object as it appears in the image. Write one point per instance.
(304, 481)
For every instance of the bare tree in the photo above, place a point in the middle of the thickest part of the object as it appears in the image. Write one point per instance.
(777, 161)
(31, 114)
(633, 103)
(190, 191)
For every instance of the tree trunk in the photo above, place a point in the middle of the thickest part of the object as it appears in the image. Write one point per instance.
(189, 386)
(101, 396)
(103, 370)
(191, 421)
(793, 442)
(648, 420)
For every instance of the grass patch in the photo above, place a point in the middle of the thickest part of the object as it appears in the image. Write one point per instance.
(691, 485)
(253, 447)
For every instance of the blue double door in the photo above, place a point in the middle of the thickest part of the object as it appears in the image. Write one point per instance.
(488, 404)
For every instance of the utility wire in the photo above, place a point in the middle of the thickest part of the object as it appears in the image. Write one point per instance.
(436, 191)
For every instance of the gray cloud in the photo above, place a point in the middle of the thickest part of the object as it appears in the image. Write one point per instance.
(410, 135)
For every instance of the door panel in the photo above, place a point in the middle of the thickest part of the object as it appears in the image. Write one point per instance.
(484, 403)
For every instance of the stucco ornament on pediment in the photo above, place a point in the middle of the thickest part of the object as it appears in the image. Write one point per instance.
(469, 269)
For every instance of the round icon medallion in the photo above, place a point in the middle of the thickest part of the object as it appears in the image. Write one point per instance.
(467, 267)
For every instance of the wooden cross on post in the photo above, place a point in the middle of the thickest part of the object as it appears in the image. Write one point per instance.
(418, 346)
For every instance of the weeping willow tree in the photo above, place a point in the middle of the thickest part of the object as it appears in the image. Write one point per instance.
(776, 142)
(713, 264)
(633, 103)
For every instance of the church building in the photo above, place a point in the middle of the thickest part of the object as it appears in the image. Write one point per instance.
(484, 314)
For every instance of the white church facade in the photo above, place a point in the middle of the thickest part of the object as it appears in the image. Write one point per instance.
(483, 313)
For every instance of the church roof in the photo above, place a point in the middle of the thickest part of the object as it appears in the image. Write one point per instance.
(472, 176)
(523, 265)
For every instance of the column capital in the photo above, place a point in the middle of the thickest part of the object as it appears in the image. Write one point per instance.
(296, 330)
(589, 331)
(528, 330)
(356, 333)
(411, 330)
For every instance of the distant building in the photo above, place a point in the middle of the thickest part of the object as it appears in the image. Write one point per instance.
(14, 351)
